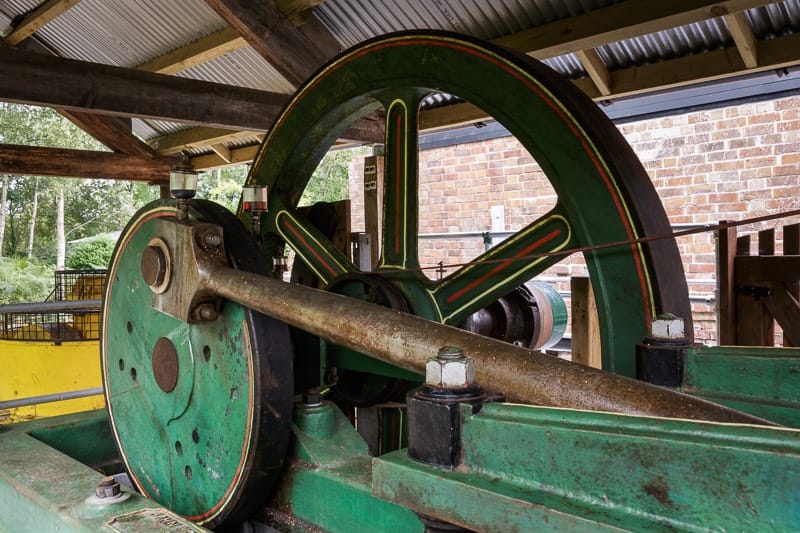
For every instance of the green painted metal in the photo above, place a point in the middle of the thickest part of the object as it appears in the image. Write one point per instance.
(604, 193)
(761, 381)
(329, 478)
(528, 468)
(206, 446)
(43, 485)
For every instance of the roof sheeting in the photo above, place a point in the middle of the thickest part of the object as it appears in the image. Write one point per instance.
(130, 32)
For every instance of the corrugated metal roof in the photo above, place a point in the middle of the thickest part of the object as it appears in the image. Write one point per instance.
(775, 20)
(685, 40)
(245, 68)
(128, 32)
(353, 21)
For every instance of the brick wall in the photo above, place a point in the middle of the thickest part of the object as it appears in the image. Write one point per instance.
(724, 164)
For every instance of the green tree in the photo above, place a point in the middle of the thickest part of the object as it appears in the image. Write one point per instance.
(329, 182)
(24, 280)
(92, 252)
(90, 206)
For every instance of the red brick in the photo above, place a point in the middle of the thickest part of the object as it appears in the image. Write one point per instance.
(763, 118)
(791, 158)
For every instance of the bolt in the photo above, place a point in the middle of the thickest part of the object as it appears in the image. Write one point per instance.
(667, 326)
(107, 488)
(154, 266)
(205, 312)
(312, 398)
(209, 240)
(450, 369)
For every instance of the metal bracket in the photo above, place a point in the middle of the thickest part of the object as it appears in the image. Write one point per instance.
(755, 292)
(193, 248)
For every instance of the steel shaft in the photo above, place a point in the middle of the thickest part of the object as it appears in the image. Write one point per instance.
(408, 341)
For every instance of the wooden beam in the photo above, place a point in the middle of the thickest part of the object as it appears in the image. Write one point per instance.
(223, 151)
(760, 270)
(295, 55)
(37, 19)
(586, 345)
(175, 143)
(239, 156)
(791, 246)
(451, 115)
(195, 53)
(38, 161)
(596, 69)
(783, 306)
(114, 132)
(79, 85)
(617, 22)
(776, 53)
(297, 11)
(744, 38)
(367, 130)
(726, 295)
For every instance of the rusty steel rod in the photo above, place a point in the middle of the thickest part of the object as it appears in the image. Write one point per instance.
(408, 341)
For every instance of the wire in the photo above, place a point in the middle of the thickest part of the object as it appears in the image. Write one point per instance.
(615, 244)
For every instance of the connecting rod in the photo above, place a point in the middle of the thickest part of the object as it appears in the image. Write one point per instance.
(199, 271)
(408, 341)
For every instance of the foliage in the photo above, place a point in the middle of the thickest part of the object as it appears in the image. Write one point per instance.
(329, 183)
(93, 252)
(223, 186)
(91, 206)
(24, 280)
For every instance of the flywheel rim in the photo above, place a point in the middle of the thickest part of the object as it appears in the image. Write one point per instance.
(604, 193)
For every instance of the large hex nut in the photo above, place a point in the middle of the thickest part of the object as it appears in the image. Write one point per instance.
(450, 373)
(667, 326)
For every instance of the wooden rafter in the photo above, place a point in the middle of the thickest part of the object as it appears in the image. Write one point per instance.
(223, 152)
(79, 85)
(238, 156)
(618, 22)
(174, 143)
(776, 53)
(114, 132)
(294, 54)
(37, 19)
(773, 54)
(195, 53)
(596, 69)
(297, 11)
(744, 38)
(38, 161)
(586, 32)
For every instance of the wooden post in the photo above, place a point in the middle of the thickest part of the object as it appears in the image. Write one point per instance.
(586, 348)
(754, 324)
(726, 310)
(791, 246)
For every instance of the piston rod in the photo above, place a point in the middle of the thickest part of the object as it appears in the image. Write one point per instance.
(408, 341)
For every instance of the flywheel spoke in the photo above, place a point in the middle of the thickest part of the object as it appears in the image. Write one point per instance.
(400, 224)
(314, 248)
(507, 265)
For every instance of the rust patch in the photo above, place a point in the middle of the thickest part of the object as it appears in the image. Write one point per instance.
(659, 489)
